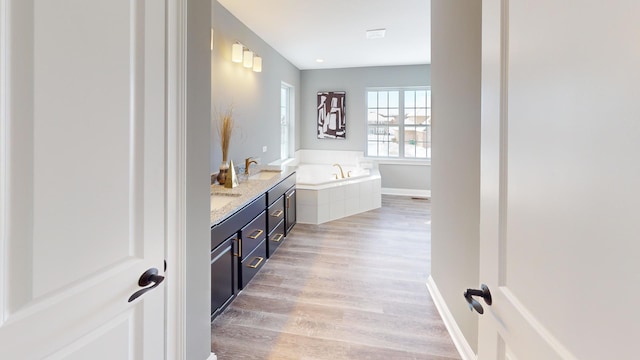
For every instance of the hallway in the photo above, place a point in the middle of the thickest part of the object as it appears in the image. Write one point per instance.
(349, 289)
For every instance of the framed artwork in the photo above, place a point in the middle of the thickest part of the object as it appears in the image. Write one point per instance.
(331, 115)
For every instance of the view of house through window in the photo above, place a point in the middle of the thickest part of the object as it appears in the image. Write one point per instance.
(285, 119)
(399, 122)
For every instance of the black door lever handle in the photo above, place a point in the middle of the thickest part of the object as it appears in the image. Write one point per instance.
(473, 303)
(148, 277)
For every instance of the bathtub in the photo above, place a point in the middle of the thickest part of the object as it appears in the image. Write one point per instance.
(321, 174)
(321, 197)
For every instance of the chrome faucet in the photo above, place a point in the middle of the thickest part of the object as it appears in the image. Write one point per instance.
(247, 162)
(341, 172)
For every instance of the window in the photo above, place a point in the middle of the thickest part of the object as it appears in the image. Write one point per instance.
(285, 120)
(394, 136)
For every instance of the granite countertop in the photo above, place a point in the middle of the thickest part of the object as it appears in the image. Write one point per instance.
(225, 201)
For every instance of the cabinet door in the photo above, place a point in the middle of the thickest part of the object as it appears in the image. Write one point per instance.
(290, 208)
(223, 275)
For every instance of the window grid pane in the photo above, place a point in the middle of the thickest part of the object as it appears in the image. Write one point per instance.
(383, 118)
(285, 113)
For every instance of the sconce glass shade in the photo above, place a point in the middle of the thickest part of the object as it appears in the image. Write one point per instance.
(247, 58)
(236, 53)
(257, 64)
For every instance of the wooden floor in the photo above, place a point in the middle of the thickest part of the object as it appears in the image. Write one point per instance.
(353, 288)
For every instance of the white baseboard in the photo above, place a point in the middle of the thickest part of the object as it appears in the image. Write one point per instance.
(456, 334)
(212, 357)
(407, 192)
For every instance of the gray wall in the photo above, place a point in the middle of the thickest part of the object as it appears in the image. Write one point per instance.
(455, 79)
(198, 293)
(255, 96)
(354, 81)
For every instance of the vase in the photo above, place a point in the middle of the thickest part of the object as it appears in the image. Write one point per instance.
(222, 173)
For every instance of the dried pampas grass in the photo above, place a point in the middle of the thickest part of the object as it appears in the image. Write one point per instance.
(225, 129)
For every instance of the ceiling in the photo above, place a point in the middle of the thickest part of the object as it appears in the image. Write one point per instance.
(335, 30)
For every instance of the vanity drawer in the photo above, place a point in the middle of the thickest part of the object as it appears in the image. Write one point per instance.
(230, 226)
(279, 189)
(276, 237)
(275, 214)
(252, 264)
(252, 234)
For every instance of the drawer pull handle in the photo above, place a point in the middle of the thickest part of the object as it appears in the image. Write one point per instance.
(254, 235)
(277, 213)
(277, 237)
(253, 266)
(239, 253)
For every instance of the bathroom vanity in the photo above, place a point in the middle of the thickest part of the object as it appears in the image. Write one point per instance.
(248, 223)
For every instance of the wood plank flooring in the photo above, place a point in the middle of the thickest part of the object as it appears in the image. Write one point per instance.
(353, 288)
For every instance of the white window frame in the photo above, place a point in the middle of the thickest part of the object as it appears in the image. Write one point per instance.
(401, 104)
(287, 122)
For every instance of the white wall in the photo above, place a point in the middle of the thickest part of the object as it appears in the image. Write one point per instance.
(198, 296)
(455, 81)
(255, 96)
(354, 81)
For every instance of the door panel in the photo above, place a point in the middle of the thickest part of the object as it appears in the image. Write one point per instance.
(82, 126)
(559, 179)
(111, 337)
(90, 53)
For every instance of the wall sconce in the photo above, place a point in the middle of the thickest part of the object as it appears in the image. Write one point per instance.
(257, 64)
(247, 58)
(236, 53)
(242, 54)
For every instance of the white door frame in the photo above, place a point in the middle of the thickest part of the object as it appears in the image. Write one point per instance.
(176, 217)
(175, 328)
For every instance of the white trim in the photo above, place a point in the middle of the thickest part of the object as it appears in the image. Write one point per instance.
(398, 161)
(283, 162)
(407, 192)
(291, 141)
(175, 247)
(4, 148)
(212, 357)
(449, 321)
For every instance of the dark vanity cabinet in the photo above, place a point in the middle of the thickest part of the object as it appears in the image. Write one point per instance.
(254, 248)
(224, 282)
(242, 242)
(290, 209)
(228, 256)
(276, 224)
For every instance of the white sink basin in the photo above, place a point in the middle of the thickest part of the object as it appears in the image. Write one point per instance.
(219, 200)
(264, 175)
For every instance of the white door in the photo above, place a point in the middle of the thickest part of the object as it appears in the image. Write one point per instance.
(560, 179)
(82, 169)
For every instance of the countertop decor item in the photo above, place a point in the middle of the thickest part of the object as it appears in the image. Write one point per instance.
(232, 180)
(225, 128)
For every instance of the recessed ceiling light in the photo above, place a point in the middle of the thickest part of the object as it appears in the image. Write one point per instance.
(319, 60)
(376, 33)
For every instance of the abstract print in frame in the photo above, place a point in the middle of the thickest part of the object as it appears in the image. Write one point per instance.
(331, 115)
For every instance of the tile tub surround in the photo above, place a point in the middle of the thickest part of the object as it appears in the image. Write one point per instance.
(335, 200)
(224, 201)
